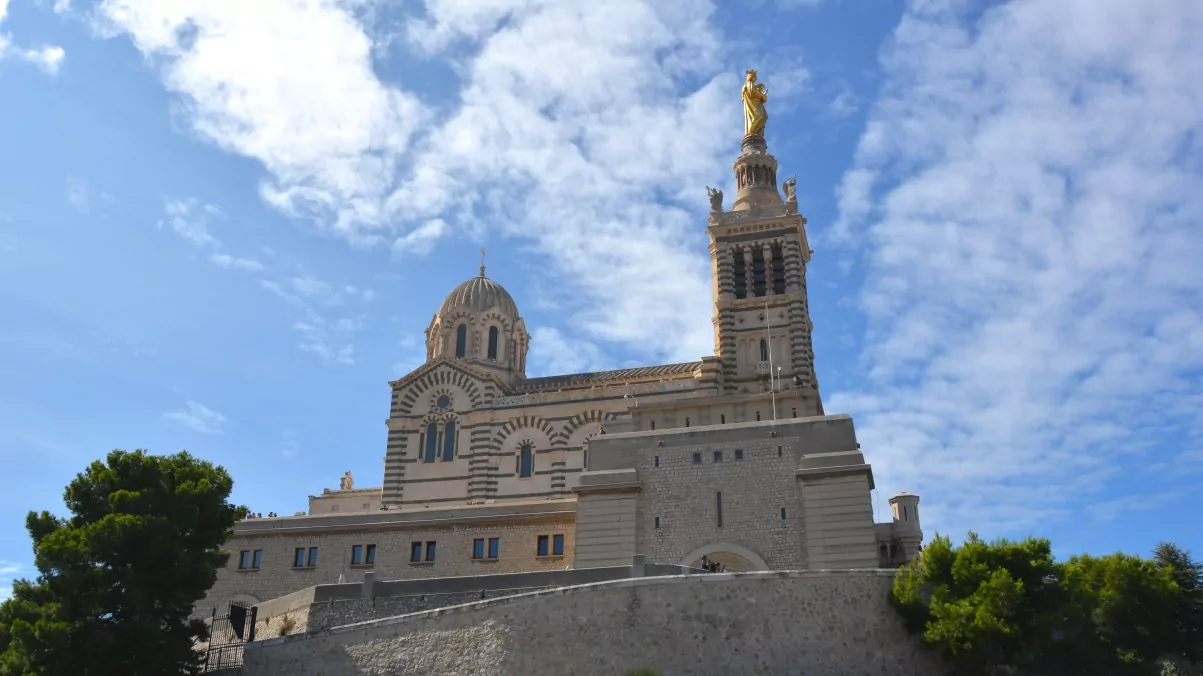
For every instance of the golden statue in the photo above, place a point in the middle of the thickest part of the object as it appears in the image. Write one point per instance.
(754, 96)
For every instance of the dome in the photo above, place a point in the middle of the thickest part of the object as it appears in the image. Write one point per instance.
(480, 294)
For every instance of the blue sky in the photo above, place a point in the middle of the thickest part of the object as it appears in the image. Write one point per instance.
(224, 226)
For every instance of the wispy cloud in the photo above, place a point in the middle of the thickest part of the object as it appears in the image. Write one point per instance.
(1029, 208)
(198, 417)
(843, 105)
(9, 573)
(227, 261)
(49, 58)
(559, 353)
(422, 239)
(330, 340)
(324, 336)
(1108, 510)
(189, 219)
(83, 197)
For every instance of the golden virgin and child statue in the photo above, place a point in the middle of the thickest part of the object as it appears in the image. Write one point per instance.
(754, 96)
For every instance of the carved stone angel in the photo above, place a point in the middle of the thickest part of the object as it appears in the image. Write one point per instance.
(716, 199)
(791, 189)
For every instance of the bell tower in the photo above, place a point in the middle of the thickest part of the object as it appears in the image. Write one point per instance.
(758, 258)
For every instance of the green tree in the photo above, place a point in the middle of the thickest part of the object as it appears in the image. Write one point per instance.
(1188, 615)
(1005, 606)
(118, 578)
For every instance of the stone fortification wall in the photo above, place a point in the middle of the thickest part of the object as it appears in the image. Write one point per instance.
(817, 623)
(328, 606)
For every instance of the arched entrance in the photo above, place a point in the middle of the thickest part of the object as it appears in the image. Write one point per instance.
(735, 558)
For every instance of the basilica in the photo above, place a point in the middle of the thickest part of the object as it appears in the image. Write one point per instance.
(730, 459)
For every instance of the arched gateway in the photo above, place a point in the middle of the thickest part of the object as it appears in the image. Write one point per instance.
(735, 558)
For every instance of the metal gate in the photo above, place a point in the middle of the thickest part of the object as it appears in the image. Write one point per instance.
(227, 635)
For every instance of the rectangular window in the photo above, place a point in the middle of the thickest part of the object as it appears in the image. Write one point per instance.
(687, 421)
(657, 523)
(720, 509)
(356, 555)
(257, 559)
(657, 461)
(758, 415)
(778, 451)
(723, 419)
(494, 548)
(541, 547)
(783, 514)
(739, 454)
(557, 545)
(415, 552)
(430, 551)
(369, 555)
(718, 456)
(697, 458)
(794, 412)
(653, 424)
(244, 559)
(298, 559)
(478, 548)
(312, 556)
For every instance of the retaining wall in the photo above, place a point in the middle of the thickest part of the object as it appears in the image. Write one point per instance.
(814, 623)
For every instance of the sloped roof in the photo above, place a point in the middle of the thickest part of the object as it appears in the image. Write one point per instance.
(671, 371)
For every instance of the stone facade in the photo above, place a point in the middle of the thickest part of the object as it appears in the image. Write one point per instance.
(836, 623)
(453, 531)
(729, 459)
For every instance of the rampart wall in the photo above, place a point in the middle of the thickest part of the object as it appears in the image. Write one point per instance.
(816, 623)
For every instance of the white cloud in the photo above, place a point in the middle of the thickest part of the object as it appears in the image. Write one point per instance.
(227, 261)
(1028, 205)
(9, 570)
(289, 83)
(843, 105)
(594, 144)
(184, 217)
(329, 340)
(198, 417)
(422, 239)
(83, 197)
(49, 58)
(574, 138)
(553, 353)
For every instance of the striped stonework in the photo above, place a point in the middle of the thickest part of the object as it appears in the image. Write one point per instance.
(395, 460)
(408, 390)
(481, 458)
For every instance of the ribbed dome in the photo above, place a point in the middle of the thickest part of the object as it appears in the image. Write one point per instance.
(480, 294)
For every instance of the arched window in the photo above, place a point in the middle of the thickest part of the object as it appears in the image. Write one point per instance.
(778, 270)
(764, 350)
(493, 336)
(740, 275)
(432, 442)
(526, 461)
(758, 277)
(461, 340)
(449, 442)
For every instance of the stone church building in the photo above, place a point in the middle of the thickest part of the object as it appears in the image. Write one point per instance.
(731, 457)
